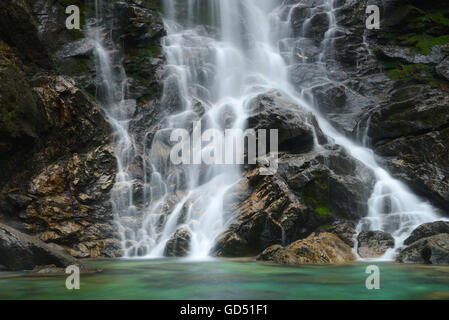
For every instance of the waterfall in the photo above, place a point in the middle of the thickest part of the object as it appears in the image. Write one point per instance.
(220, 55)
(111, 93)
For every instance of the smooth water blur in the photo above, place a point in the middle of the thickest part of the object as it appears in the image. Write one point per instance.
(231, 279)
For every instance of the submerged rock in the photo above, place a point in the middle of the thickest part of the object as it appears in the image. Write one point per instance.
(323, 248)
(430, 250)
(19, 251)
(374, 244)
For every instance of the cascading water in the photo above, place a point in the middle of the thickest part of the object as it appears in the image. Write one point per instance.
(216, 73)
(220, 55)
(111, 92)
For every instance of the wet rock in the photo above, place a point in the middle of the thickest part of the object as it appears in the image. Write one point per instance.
(298, 16)
(48, 269)
(431, 250)
(345, 231)
(412, 110)
(138, 24)
(323, 248)
(24, 36)
(140, 28)
(296, 126)
(316, 26)
(427, 230)
(421, 162)
(434, 56)
(443, 68)
(304, 75)
(19, 251)
(60, 192)
(179, 243)
(374, 244)
(410, 133)
(308, 191)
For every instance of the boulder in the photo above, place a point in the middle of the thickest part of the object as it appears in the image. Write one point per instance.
(19, 251)
(323, 248)
(427, 230)
(179, 243)
(374, 244)
(430, 250)
(296, 126)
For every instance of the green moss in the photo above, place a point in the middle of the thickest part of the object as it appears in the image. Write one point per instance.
(82, 65)
(410, 72)
(75, 34)
(315, 196)
(437, 17)
(422, 43)
(322, 211)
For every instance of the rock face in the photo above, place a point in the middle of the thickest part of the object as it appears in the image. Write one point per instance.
(19, 251)
(311, 189)
(408, 125)
(387, 87)
(374, 244)
(179, 243)
(296, 126)
(430, 250)
(324, 248)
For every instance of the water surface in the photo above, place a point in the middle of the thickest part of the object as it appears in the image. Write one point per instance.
(231, 279)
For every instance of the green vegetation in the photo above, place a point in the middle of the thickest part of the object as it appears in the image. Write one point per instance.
(82, 65)
(422, 43)
(433, 17)
(409, 71)
(322, 211)
(76, 34)
(315, 196)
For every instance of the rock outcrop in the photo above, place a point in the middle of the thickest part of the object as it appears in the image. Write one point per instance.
(19, 251)
(179, 243)
(430, 250)
(374, 244)
(427, 230)
(297, 127)
(323, 248)
(427, 244)
(387, 87)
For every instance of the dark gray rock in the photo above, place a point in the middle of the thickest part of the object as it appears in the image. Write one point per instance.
(296, 126)
(345, 231)
(308, 191)
(427, 230)
(374, 244)
(19, 251)
(179, 243)
(431, 250)
(443, 69)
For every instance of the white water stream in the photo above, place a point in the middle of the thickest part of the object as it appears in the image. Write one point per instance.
(245, 50)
